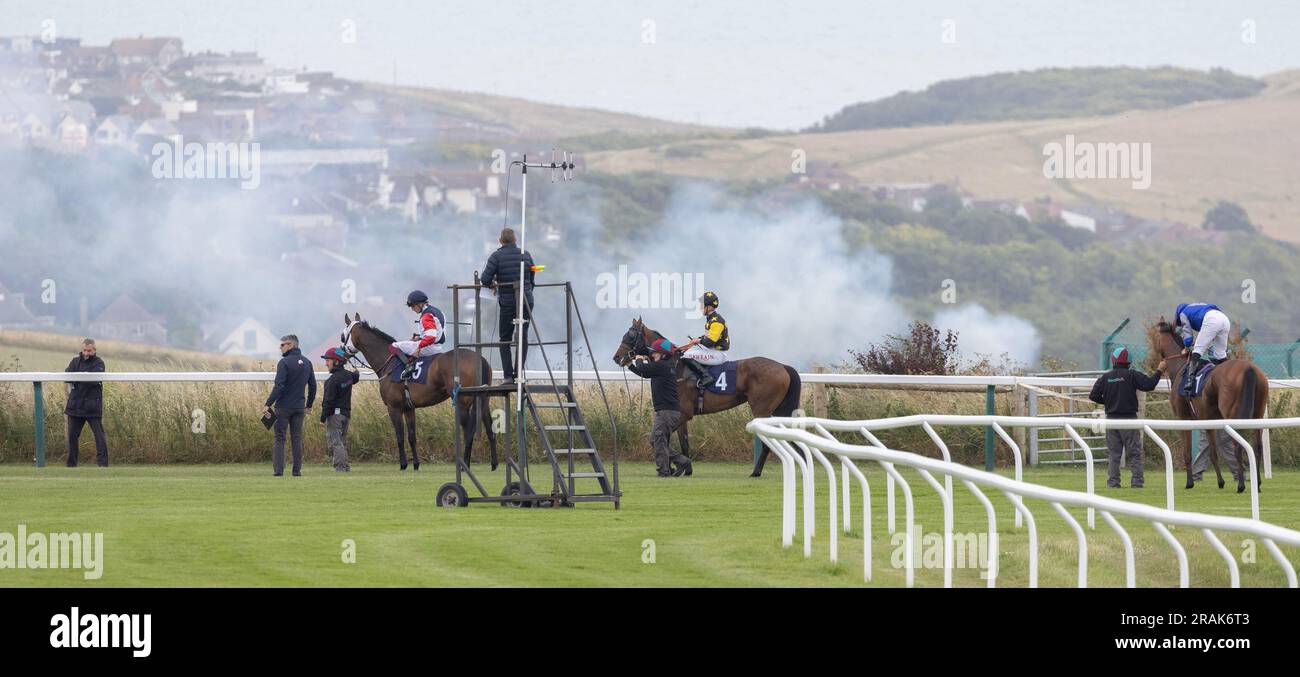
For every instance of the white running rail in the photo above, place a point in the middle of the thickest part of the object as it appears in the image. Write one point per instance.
(798, 448)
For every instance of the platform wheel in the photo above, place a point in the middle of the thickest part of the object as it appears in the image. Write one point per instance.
(451, 495)
(514, 489)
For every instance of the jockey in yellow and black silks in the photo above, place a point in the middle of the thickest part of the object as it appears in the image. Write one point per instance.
(709, 349)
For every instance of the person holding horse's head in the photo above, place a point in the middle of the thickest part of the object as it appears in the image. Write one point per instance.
(659, 368)
(710, 348)
(1204, 328)
(1117, 391)
(427, 341)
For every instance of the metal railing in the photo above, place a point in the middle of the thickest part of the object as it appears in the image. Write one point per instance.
(799, 449)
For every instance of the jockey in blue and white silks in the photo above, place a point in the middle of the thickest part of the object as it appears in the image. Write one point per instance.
(1205, 329)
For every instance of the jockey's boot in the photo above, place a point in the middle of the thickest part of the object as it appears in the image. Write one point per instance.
(1193, 366)
(702, 378)
(408, 363)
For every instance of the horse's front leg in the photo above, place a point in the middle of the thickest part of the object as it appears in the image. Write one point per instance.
(395, 416)
(684, 439)
(1187, 455)
(409, 415)
(465, 415)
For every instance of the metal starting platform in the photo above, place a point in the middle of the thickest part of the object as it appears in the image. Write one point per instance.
(577, 471)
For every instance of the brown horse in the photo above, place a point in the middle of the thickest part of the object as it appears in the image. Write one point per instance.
(360, 337)
(770, 388)
(1236, 389)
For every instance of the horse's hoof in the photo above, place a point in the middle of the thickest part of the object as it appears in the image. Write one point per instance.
(494, 466)
(1190, 484)
(402, 468)
(1241, 486)
(1221, 483)
(756, 474)
(417, 466)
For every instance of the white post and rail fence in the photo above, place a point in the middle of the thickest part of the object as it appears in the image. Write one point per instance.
(805, 444)
(1022, 387)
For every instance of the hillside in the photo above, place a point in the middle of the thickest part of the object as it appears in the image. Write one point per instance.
(1042, 94)
(42, 351)
(1244, 150)
(530, 119)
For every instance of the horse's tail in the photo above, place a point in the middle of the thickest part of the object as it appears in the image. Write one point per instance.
(1249, 381)
(792, 392)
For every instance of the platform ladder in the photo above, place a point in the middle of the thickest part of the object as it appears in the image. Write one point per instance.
(568, 445)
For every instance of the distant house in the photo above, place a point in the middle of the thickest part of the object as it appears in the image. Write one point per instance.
(243, 68)
(909, 196)
(73, 131)
(34, 126)
(115, 130)
(469, 192)
(126, 320)
(142, 53)
(14, 313)
(247, 337)
(154, 130)
(90, 62)
(282, 81)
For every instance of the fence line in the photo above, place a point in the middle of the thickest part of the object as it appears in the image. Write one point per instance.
(797, 448)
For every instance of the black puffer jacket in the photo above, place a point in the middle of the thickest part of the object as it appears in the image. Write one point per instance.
(85, 399)
(503, 269)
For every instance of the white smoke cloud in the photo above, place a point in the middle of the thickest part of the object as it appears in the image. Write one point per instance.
(984, 333)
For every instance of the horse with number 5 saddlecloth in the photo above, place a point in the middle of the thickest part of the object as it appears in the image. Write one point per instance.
(361, 337)
(770, 388)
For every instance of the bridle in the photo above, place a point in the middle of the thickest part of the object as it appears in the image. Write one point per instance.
(635, 345)
(350, 349)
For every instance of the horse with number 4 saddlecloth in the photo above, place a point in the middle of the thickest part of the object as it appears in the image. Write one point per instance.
(437, 385)
(770, 388)
(1236, 389)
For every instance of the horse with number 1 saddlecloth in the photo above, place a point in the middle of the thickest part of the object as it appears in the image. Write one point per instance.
(770, 388)
(1236, 389)
(360, 336)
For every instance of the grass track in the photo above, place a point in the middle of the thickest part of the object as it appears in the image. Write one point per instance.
(235, 525)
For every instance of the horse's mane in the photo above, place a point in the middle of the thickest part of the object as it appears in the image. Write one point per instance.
(378, 332)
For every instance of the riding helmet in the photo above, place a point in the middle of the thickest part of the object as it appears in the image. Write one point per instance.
(416, 296)
(709, 299)
(1119, 356)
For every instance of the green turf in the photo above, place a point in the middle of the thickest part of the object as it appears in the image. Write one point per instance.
(236, 525)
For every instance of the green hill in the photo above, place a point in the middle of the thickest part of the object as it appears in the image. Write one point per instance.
(1042, 94)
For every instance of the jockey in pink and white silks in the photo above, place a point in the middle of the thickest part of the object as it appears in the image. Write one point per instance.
(1205, 331)
(428, 341)
(711, 348)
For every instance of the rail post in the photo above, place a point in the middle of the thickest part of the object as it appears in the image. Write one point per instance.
(1104, 363)
(38, 414)
(990, 409)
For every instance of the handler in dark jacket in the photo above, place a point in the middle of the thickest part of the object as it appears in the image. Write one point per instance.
(86, 405)
(336, 406)
(1117, 390)
(292, 373)
(660, 368)
(502, 272)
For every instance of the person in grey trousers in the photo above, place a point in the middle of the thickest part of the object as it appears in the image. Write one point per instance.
(1117, 390)
(660, 369)
(336, 406)
(292, 375)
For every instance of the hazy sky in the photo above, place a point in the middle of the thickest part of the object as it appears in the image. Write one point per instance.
(722, 62)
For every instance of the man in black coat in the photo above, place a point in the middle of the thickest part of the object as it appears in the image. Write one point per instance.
(86, 405)
(292, 374)
(661, 369)
(502, 273)
(336, 406)
(1117, 390)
